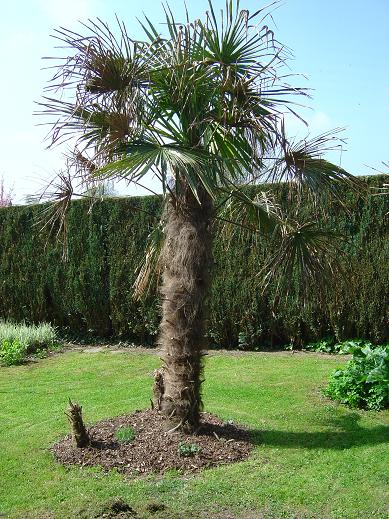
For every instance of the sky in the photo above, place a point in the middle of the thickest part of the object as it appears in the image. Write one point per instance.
(340, 48)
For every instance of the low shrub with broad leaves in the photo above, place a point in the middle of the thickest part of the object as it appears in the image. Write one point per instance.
(12, 352)
(364, 381)
(330, 345)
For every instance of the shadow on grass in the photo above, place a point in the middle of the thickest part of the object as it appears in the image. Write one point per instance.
(343, 432)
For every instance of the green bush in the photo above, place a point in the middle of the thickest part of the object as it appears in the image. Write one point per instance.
(33, 338)
(325, 345)
(329, 345)
(12, 352)
(364, 382)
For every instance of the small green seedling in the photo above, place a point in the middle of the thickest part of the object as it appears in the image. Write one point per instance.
(125, 434)
(187, 450)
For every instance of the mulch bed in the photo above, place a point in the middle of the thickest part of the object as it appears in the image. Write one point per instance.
(154, 450)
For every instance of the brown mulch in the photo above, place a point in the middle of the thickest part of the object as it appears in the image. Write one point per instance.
(154, 450)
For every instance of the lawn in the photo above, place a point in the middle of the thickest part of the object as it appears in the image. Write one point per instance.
(313, 458)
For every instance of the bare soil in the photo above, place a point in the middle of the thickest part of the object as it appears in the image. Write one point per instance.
(154, 449)
(120, 509)
(136, 349)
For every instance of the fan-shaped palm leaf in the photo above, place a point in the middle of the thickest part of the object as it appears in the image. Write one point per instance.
(310, 252)
(303, 165)
(241, 214)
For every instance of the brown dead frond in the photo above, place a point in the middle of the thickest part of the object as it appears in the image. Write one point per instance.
(58, 195)
(149, 271)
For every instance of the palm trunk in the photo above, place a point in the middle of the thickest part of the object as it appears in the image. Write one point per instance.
(186, 260)
(80, 434)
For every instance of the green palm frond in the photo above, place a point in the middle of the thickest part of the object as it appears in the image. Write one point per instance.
(307, 252)
(229, 41)
(139, 159)
(196, 167)
(241, 214)
(235, 150)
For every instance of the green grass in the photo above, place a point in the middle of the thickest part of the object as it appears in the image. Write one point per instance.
(314, 459)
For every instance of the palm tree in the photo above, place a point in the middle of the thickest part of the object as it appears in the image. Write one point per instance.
(203, 110)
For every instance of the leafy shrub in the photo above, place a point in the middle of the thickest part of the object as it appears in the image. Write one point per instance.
(12, 352)
(325, 345)
(188, 449)
(125, 434)
(364, 382)
(41, 353)
(329, 345)
(32, 337)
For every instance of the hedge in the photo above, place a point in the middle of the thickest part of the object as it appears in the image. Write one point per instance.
(91, 292)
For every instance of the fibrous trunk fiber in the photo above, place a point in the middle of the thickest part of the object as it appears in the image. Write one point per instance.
(186, 260)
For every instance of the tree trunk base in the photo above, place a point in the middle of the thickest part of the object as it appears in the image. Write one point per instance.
(80, 434)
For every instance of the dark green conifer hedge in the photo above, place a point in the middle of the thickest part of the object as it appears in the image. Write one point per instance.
(92, 291)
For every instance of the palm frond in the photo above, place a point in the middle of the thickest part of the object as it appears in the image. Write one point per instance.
(229, 41)
(308, 256)
(304, 167)
(149, 270)
(241, 215)
(97, 126)
(53, 216)
(196, 167)
(102, 63)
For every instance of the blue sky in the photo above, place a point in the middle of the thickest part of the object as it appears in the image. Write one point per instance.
(340, 45)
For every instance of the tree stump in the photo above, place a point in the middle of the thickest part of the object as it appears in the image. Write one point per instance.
(80, 434)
